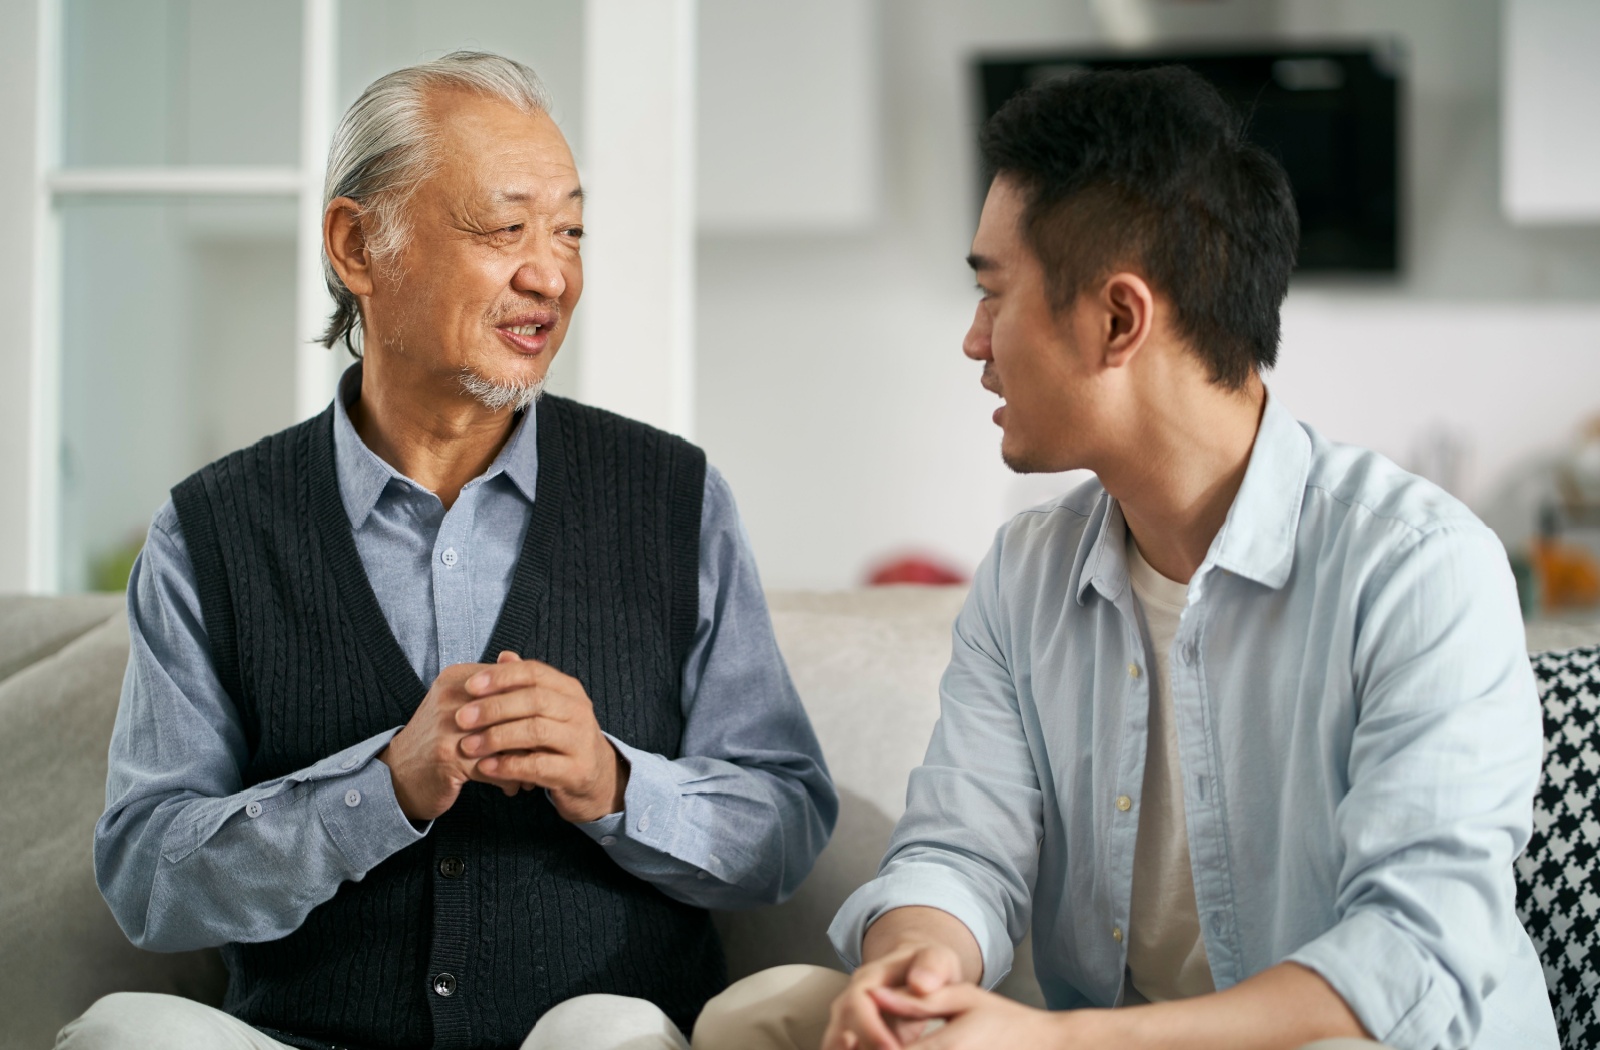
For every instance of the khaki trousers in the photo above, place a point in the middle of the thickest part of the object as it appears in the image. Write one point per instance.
(784, 1008)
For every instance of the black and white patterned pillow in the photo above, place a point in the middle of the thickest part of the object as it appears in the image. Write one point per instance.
(1558, 878)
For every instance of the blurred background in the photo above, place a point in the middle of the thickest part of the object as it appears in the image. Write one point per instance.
(782, 197)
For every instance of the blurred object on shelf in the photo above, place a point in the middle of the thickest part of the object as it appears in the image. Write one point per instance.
(1547, 514)
(1567, 574)
(915, 568)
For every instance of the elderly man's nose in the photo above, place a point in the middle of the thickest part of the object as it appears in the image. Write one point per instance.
(540, 276)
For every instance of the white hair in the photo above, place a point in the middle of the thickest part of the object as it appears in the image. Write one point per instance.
(385, 147)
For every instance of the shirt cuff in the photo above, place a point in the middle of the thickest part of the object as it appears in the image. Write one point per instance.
(355, 798)
(1403, 1003)
(929, 886)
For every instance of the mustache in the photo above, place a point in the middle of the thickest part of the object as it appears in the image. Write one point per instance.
(990, 380)
(503, 313)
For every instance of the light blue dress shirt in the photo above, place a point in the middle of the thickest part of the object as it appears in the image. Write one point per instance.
(1358, 730)
(188, 856)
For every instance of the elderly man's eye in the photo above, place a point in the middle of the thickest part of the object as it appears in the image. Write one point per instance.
(573, 231)
(511, 229)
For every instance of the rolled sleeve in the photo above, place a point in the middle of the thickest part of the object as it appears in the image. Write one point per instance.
(929, 886)
(1434, 818)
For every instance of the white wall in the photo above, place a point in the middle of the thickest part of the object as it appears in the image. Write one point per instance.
(834, 395)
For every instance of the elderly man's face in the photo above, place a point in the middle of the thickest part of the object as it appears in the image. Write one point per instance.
(486, 285)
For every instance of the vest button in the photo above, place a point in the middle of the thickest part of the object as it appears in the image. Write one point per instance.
(445, 985)
(452, 867)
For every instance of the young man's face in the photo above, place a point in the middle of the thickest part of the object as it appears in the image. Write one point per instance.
(1040, 361)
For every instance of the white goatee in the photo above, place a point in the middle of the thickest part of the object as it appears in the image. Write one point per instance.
(495, 396)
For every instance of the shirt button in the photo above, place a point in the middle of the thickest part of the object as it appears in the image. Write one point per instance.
(1124, 803)
(449, 557)
(351, 762)
(1191, 653)
(1133, 670)
(252, 809)
(608, 840)
(1216, 924)
(445, 985)
(1116, 934)
(644, 823)
(452, 867)
(352, 798)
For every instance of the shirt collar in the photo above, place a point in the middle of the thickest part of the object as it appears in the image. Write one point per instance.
(1257, 538)
(363, 475)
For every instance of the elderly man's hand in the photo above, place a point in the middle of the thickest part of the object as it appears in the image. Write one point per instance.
(425, 759)
(533, 724)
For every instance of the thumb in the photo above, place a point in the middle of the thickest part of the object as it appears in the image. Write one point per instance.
(930, 970)
(507, 657)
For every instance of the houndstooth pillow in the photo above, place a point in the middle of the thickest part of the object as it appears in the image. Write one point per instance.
(1558, 878)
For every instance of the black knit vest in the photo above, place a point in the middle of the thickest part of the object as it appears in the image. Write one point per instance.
(520, 908)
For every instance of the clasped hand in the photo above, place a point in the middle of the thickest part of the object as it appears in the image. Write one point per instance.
(891, 1001)
(517, 724)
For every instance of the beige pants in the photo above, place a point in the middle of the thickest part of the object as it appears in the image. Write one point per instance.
(785, 1008)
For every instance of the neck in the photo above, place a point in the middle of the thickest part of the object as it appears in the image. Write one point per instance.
(426, 428)
(1186, 462)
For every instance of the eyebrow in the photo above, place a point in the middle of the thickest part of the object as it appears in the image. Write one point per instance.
(518, 197)
(981, 263)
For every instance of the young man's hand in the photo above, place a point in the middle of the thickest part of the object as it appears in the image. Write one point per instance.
(916, 951)
(530, 724)
(979, 1020)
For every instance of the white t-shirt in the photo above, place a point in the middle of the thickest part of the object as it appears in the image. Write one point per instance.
(1166, 952)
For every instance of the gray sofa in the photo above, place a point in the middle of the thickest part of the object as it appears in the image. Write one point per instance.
(866, 662)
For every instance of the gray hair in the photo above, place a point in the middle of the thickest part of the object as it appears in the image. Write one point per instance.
(385, 148)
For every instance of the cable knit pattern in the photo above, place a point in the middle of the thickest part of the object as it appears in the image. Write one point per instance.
(605, 590)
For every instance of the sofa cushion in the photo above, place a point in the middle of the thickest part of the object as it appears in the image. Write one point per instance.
(867, 665)
(1558, 875)
(63, 947)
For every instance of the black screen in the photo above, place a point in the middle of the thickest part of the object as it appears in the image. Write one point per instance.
(1330, 116)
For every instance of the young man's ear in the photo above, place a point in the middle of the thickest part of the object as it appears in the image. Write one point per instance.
(1128, 307)
(344, 239)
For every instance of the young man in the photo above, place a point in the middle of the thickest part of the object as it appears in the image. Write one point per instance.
(1244, 728)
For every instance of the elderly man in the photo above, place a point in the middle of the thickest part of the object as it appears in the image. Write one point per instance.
(452, 708)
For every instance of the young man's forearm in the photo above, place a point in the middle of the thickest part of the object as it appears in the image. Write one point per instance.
(1284, 1006)
(929, 928)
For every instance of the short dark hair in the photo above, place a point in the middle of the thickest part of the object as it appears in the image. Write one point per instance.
(1150, 170)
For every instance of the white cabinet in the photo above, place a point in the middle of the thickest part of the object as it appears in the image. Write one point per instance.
(1550, 111)
(788, 116)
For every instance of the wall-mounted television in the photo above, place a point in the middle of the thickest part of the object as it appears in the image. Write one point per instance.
(1330, 115)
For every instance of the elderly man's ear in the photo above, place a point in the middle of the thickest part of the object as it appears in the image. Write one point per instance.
(346, 244)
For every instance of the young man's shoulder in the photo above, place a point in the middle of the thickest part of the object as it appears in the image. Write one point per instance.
(1354, 488)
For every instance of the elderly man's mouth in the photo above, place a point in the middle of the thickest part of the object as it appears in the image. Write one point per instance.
(528, 335)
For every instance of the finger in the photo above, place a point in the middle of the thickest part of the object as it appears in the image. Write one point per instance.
(899, 1004)
(525, 734)
(514, 674)
(521, 703)
(946, 1002)
(507, 657)
(931, 969)
(541, 768)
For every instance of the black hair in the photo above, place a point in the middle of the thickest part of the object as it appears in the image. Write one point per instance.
(1150, 171)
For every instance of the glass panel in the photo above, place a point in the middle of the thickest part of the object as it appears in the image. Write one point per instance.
(178, 346)
(180, 82)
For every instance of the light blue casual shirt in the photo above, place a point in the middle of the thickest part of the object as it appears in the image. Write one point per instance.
(1358, 730)
(187, 856)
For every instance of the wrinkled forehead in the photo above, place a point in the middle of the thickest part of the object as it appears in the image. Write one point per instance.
(495, 152)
